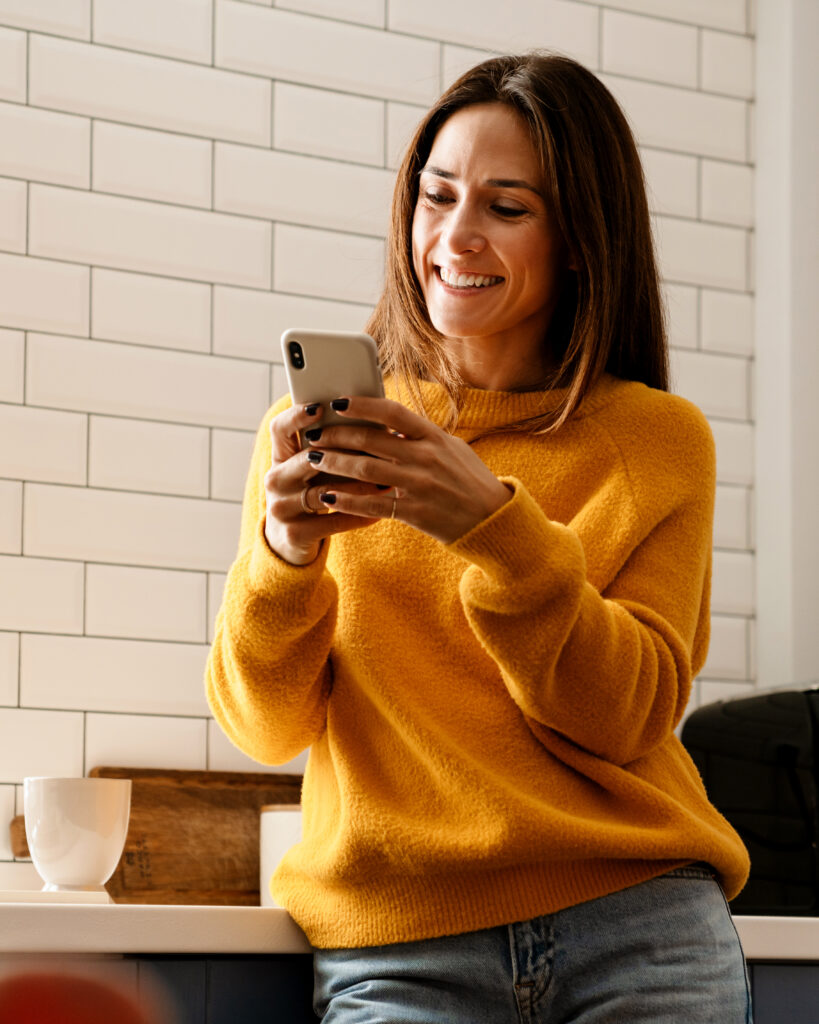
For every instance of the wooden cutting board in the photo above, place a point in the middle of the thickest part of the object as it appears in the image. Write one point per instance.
(193, 837)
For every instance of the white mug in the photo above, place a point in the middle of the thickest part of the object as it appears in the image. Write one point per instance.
(279, 829)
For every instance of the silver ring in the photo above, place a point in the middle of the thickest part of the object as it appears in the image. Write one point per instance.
(304, 505)
(394, 503)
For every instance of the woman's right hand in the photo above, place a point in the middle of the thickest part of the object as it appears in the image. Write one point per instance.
(294, 534)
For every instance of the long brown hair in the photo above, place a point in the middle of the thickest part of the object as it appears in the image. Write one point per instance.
(610, 314)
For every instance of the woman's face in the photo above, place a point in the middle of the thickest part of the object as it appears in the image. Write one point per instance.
(486, 252)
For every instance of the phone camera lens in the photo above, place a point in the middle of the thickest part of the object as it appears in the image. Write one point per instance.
(296, 355)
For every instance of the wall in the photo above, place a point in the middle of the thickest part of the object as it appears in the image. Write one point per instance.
(180, 180)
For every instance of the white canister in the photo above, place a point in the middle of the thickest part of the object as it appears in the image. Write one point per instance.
(279, 829)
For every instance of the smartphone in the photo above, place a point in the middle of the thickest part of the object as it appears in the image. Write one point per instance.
(323, 365)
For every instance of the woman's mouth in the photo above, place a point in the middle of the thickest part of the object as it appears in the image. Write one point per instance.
(459, 279)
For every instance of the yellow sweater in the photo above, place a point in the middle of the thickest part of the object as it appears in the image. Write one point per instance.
(491, 722)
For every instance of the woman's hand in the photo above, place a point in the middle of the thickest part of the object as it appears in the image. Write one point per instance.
(436, 481)
(296, 520)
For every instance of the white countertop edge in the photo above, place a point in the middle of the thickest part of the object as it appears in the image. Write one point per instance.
(778, 938)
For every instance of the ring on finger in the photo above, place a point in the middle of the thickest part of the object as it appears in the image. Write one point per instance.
(310, 511)
(394, 502)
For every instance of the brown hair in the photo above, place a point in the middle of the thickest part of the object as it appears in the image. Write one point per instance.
(610, 314)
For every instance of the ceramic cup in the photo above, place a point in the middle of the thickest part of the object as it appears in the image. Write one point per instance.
(76, 830)
(280, 828)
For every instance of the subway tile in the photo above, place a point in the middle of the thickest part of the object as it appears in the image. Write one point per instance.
(9, 662)
(145, 310)
(216, 586)
(712, 691)
(652, 48)
(728, 649)
(20, 876)
(145, 604)
(735, 452)
(731, 517)
(11, 515)
(707, 254)
(145, 383)
(727, 322)
(170, 28)
(40, 444)
(145, 741)
(43, 146)
(41, 595)
(402, 121)
(727, 14)
(315, 51)
(717, 384)
(223, 756)
(12, 365)
(329, 124)
(152, 165)
(671, 180)
(151, 678)
(23, 283)
(302, 189)
(152, 91)
(510, 27)
(728, 193)
(728, 64)
(327, 264)
(132, 234)
(13, 65)
(138, 455)
(681, 315)
(57, 17)
(249, 323)
(732, 585)
(365, 12)
(455, 60)
(6, 814)
(138, 529)
(681, 119)
(230, 459)
(13, 207)
(40, 742)
(278, 382)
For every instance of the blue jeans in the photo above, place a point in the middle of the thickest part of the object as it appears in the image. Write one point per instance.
(662, 952)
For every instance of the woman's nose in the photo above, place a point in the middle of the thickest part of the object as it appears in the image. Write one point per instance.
(463, 232)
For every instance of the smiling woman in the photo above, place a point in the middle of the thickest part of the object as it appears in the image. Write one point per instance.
(489, 643)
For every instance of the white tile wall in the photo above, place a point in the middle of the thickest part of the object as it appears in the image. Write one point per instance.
(13, 64)
(24, 282)
(137, 455)
(41, 595)
(150, 604)
(11, 517)
(12, 364)
(224, 757)
(711, 691)
(38, 444)
(181, 181)
(171, 28)
(136, 676)
(9, 663)
(152, 165)
(43, 146)
(149, 310)
(6, 814)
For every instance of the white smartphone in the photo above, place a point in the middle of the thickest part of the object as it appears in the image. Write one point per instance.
(323, 365)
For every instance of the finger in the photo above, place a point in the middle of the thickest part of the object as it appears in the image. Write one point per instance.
(362, 469)
(383, 505)
(393, 415)
(284, 428)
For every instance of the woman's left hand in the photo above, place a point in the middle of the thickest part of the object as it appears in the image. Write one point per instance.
(433, 481)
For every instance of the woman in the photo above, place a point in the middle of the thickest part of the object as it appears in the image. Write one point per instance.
(489, 643)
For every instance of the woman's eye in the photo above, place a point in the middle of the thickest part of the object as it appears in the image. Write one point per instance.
(511, 212)
(437, 198)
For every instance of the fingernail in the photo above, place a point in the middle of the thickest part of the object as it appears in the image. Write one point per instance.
(313, 434)
(383, 487)
(328, 499)
(311, 410)
(315, 457)
(339, 404)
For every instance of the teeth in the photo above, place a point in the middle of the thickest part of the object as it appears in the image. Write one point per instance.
(456, 280)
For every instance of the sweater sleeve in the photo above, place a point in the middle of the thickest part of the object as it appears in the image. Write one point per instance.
(268, 675)
(609, 670)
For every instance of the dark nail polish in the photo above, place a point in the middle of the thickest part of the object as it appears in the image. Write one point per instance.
(383, 487)
(315, 457)
(328, 499)
(313, 434)
(311, 410)
(339, 404)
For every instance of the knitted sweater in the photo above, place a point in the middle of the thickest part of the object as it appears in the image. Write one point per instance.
(490, 722)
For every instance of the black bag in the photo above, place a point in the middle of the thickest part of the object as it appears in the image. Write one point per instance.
(759, 760)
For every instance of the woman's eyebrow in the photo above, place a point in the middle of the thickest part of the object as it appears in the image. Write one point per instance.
(439, 172)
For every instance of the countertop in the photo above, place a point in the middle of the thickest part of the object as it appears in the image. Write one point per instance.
(94, 929)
